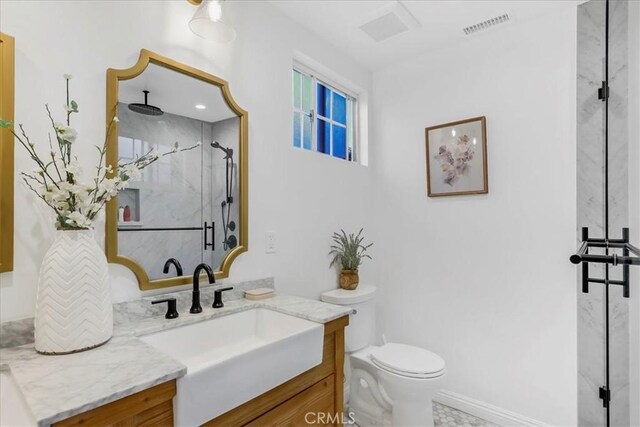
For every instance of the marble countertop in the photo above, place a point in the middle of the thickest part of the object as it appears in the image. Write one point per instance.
(58, 387)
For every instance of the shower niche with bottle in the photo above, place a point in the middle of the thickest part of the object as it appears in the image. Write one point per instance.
(191, 205)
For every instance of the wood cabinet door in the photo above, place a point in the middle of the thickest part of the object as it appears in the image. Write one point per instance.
(313, 407)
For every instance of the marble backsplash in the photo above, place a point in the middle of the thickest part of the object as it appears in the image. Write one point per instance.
(125, 314)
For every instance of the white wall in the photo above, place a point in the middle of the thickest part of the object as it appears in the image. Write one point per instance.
(485, 281)
(302, 196)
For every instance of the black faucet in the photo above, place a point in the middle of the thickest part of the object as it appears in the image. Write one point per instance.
(195, 300)
(176, 263)
(217, 297)
(172, 312)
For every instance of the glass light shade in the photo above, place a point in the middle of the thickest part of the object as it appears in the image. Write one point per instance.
(207, 23)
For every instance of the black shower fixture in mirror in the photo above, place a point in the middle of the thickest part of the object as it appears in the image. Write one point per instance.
(146, 109)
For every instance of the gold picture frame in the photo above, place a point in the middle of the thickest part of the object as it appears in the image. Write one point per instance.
(7, 98)
(456, 157)
(114, 76)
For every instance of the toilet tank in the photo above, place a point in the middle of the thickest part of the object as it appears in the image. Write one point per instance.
(359, 333)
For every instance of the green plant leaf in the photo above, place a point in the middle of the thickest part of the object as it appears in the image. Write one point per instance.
(74, 106)
(348, 249)
(5, 124)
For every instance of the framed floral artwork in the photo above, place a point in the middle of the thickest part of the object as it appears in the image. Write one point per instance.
(457, 158)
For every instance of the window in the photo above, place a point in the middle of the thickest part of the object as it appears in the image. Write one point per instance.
(324, 117)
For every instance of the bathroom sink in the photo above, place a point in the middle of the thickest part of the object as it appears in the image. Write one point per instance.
(13, 409)
(232, 359)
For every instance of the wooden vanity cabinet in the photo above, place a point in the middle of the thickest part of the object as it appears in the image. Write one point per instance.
(314, 397)
(150, 407)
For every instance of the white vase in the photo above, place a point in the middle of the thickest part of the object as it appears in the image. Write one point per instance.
(73, 305)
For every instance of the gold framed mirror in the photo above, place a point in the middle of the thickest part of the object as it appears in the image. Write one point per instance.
(7, 88)
(192, 205)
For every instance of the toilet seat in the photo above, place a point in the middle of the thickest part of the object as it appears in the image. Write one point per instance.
(408, 361)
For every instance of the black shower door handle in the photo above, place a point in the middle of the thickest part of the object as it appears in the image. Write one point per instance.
(213, 235)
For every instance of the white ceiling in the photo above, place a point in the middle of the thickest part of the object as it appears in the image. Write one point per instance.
(442, 21)
(176, 93)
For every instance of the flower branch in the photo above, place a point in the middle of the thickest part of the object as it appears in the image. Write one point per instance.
(76, 205)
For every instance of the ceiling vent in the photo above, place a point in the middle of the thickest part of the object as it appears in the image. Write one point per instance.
(391, 20)
(502, 19)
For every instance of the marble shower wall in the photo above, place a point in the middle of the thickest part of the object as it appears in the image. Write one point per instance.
(176, 191)
(227, 133)
(591, 206)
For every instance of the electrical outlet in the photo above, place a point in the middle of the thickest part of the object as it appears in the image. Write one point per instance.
(270, 242)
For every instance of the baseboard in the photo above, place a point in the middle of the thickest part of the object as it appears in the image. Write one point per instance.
(483, 410)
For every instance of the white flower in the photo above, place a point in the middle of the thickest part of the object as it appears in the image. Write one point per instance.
(116, 119)
(73, 168)
(57, 198)
(67, 76)
(68, 108)
(66, 133)
(129, 172)
(109, 187)
(77, 219)
(108, 169)
(82, 195)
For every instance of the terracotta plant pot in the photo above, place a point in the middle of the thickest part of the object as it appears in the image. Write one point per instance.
(349, 279)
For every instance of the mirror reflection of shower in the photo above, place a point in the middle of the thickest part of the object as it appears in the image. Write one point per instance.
(228, 226)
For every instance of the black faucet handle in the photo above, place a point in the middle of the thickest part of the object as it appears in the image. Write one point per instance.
(172, 311)
(217, 297)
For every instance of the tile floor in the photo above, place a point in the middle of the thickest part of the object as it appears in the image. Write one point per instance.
(444, 416)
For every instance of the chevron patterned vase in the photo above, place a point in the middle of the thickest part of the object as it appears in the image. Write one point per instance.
(73, 306)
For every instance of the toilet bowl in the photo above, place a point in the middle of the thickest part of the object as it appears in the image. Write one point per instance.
(388, 385)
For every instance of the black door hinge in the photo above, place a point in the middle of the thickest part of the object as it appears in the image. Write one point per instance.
(603, 92)
(605, 395)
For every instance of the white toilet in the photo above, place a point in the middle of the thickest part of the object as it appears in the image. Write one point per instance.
(388, 385)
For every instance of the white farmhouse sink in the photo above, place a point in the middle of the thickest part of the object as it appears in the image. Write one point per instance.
(13, 409)
(232, 359)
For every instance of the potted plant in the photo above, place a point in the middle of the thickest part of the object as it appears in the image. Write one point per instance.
(73, 301)
(349, 251)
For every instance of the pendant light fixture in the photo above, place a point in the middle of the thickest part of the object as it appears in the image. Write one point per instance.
(208, 22)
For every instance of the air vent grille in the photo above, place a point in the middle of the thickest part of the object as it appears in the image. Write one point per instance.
(486, 24)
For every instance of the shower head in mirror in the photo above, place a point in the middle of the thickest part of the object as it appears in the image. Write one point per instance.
(227, 151)
(146, 109)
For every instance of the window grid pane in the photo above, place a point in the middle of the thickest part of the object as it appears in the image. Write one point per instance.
(296, 129)
(339, 108)
(339, 139)
(296, 89)
(324, 136)
(306, 93)
(307, 132)
(330, 127)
